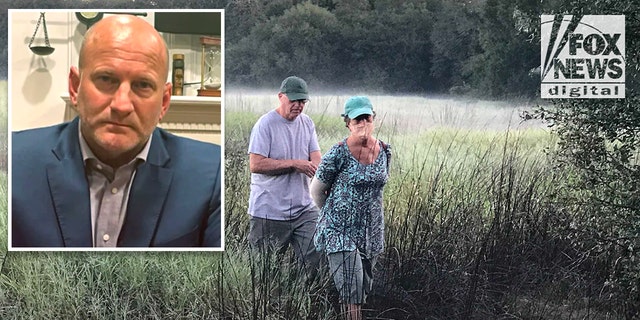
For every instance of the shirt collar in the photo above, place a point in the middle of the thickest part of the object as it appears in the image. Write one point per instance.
(88, 154)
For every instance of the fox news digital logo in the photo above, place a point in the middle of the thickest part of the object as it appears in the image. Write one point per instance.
(582, 57)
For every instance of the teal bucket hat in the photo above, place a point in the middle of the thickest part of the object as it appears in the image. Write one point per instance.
(295, 88)
(356, 106)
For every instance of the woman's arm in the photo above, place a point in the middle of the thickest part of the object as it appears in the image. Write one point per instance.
(319, 192)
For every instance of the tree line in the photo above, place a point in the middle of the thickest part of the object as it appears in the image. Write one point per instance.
(486, 48)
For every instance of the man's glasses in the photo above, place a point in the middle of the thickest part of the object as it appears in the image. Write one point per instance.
(300, 101)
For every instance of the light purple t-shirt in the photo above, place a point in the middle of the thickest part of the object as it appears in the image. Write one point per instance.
(286, 196)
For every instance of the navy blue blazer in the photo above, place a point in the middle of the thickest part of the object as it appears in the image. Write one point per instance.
(174, 199)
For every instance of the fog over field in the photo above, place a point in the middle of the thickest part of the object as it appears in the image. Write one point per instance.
(414, 113)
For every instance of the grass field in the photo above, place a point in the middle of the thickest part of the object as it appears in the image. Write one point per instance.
(473, 230)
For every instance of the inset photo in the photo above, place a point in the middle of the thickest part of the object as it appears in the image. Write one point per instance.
(115, 130)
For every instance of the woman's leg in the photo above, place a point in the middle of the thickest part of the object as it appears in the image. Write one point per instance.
(353, 312)
(346, 269)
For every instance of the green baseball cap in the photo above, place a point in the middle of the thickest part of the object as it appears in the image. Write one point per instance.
(356, 106)
(295, 88)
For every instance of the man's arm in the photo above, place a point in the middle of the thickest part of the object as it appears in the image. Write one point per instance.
(315, 158)
(263, 165)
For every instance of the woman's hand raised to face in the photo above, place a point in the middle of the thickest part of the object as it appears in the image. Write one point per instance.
(361, 127)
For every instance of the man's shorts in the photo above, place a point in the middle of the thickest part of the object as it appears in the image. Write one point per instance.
(266, 234)
(352, 274)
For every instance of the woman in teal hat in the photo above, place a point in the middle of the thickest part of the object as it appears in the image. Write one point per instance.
(347, 187)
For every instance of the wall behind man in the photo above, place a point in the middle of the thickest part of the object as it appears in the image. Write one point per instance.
(38, 82)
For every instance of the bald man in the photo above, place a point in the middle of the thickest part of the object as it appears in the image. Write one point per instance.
(111, 178)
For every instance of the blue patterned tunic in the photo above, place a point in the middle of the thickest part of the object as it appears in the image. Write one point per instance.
(352, 216)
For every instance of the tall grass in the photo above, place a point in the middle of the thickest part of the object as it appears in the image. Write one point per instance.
(473, 231)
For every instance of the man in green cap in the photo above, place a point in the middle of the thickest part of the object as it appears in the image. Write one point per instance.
(283, 157)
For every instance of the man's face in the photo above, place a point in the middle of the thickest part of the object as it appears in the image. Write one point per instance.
(291, 109)
(121, 94)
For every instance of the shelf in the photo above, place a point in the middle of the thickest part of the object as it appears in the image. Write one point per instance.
(190, 100)
(175, 100)
(196, 117)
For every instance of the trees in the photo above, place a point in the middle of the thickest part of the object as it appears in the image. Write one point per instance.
(600, 141)
(455, 40)
(300, 42)
(385, 47)
(409, 46)
(509, 51)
